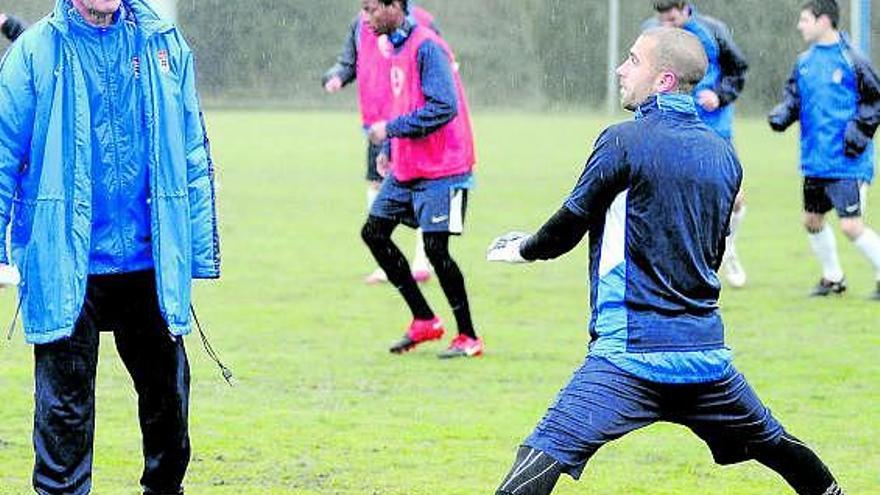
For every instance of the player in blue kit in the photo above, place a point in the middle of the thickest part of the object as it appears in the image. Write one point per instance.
(835, 93)
(715, 96)
(656, 197)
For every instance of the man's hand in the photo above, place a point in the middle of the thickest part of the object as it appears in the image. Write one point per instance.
(382, 164)
(709, 100)
(506, 248)
(9, 276)
(334, 85)
(378, 132)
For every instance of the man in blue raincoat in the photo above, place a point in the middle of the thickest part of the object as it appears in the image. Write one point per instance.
(107, 182)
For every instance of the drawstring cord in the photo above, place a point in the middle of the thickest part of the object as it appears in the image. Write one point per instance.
(226, 372)
(11, 330)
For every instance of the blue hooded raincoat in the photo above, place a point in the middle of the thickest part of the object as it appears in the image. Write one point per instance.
(46, 163)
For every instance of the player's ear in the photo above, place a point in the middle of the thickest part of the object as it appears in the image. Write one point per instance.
(666, 82)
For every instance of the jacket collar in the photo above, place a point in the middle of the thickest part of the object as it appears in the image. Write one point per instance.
(401, 34)
(674, 103)
(76, 22)
(137, 11)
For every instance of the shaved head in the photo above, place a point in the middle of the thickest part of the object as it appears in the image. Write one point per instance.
(681, 53)
(662, 60)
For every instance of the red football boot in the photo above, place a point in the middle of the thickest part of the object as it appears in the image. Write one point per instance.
(463, 346)
(419, 331)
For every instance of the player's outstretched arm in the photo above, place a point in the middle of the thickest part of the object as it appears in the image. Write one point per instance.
(605, 176)
(562, 233)
(344, 71)
(789, 110)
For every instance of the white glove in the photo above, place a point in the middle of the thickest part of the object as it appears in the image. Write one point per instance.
(9, 276)
(506, 248)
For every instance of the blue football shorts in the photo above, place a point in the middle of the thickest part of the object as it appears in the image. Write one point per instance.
(603, 403)
(434, 205)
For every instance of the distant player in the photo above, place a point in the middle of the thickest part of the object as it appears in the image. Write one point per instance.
(365, 57)
(431, 162)
(656, 197)
(835, 93)
(715, 95)
(11, 26)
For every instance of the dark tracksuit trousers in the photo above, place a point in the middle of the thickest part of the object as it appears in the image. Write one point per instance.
(64, 417)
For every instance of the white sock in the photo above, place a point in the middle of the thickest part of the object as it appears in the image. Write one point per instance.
(735, 221)
(371, 196)
(869, 245)
(420, 259)
(825, 246)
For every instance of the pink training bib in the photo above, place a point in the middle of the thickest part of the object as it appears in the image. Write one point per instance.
(449, 150)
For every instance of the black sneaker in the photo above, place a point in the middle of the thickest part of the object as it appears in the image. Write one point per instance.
(826, 287)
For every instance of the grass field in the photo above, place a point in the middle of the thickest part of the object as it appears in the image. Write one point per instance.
(321, 408)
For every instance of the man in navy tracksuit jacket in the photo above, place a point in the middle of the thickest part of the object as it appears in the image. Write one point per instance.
(656, 197)
(835, 93)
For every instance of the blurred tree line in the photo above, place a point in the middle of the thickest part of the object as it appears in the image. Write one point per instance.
(531, 54)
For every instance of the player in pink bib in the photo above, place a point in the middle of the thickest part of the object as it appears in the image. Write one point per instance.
(430, 149)
(366, 57)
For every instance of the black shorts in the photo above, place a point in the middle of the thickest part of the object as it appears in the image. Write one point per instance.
(372, 153)
(841, 195)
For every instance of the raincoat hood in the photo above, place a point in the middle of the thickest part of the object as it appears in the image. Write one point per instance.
(139, 11)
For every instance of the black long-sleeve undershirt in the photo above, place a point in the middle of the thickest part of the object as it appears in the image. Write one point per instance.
(559, 235)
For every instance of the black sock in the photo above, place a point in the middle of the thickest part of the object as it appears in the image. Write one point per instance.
(377, 235)
(451, 280)
(533, 473)
(799, 466)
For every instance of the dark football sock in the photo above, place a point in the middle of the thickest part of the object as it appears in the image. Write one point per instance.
(377, 235)
(533, 473)
(799, 466)
(451, 280)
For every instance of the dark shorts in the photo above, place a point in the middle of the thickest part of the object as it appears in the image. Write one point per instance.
(434, 205)
(603, 403)
(372, 171)
(841, 195)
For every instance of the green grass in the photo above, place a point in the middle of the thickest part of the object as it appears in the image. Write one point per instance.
(321, 407)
